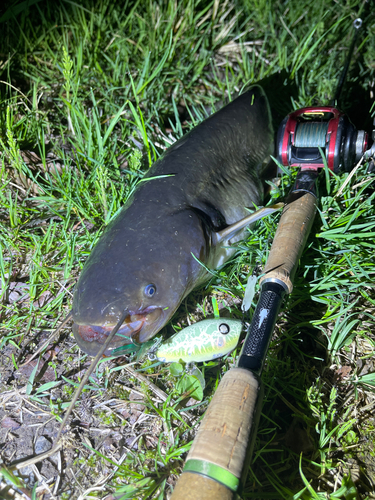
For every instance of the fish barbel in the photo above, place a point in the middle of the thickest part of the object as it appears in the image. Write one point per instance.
(189, 209)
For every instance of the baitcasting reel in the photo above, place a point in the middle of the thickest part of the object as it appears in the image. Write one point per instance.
(304, 131)
(308, 132)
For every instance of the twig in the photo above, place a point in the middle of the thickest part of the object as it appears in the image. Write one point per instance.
(99, 486)
(89, 372)
(54, 334)
(38, 458)
(44, 485)
(59, 468)
(161, 394)
(94, 362)
(18, 90)
(348, 179)
(288, 30)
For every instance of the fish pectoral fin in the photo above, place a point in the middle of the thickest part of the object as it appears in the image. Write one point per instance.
(222, 237)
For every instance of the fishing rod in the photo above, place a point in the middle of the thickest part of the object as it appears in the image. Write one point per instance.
(309, 139)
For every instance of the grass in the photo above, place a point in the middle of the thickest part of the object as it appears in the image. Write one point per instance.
(91, 94)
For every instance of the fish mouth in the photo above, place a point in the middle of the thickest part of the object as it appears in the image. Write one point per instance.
(136, 328)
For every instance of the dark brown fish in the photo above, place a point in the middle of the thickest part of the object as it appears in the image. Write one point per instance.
(185, 210)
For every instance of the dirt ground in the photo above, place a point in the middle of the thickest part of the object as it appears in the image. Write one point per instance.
(101, 421)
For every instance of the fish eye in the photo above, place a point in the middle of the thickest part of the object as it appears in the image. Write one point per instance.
(150, 290)
(224, 328)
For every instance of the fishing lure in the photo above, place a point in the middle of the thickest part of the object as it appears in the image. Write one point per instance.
(206, 340)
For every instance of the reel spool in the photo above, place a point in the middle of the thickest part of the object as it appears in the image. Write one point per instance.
(304, 131)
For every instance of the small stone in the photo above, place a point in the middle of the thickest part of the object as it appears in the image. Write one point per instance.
(10, 423)
(42, 445)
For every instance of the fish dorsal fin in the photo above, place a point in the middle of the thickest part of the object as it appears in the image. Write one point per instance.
(222, 237)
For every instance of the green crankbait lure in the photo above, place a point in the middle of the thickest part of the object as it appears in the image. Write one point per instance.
(203, 341)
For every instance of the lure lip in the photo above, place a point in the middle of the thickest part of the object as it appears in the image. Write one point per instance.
(138, 327)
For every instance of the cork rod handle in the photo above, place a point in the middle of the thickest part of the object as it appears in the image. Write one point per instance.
(215, 462)
(290, 238)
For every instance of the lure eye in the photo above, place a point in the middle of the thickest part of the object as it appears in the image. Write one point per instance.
(150, 290)
(224, 328)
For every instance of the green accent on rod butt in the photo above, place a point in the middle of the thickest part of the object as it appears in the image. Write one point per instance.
(213, 471)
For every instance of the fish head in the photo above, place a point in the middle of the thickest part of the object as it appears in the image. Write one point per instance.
(143, 273)
(142, 296)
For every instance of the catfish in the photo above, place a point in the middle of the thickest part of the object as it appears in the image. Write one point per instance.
(182, 220)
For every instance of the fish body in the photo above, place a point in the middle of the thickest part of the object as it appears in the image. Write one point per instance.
(206, 340)
(147, 260)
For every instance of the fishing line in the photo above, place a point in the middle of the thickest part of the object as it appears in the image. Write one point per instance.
(89, 372)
